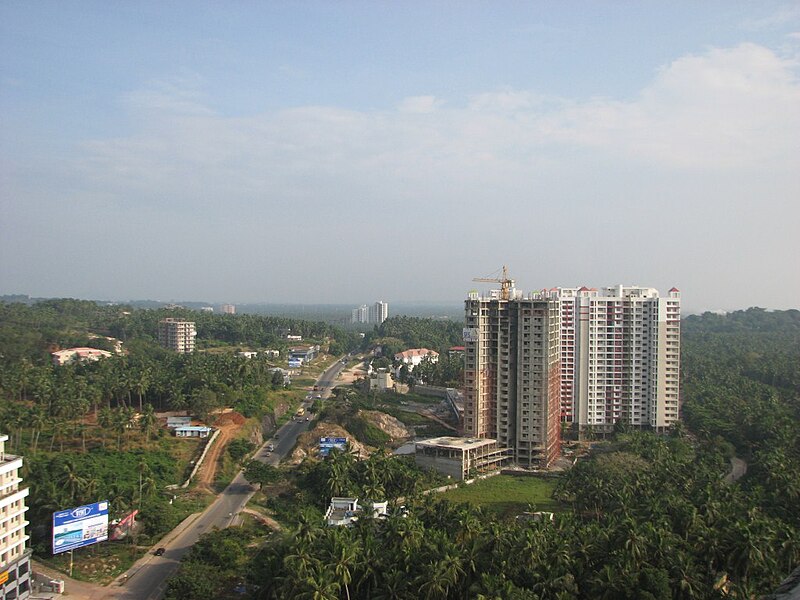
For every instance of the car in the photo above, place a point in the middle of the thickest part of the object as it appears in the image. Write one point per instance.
(160, 551)
(318, 396)
(271, 447)
(306, 418)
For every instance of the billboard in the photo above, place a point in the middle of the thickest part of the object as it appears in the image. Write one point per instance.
(79, 527)
(470, 334)
(326, 443)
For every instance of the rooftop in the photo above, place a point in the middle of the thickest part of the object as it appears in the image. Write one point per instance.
(456, 443)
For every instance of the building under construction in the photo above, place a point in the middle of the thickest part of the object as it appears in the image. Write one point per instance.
(512, 373)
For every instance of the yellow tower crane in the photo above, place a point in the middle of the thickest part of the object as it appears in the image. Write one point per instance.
(505, 283)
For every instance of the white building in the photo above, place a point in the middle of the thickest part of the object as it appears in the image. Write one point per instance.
(345, 511)
(620, 356)
(379, 312)
(413, 356)
(177, 335)
(360, 314)
(70, 355)
(228, 309)
(15, 568)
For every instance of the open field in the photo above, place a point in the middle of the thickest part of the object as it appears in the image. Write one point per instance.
(508, 495)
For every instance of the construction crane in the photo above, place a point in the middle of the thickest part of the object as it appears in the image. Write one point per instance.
(506, 284)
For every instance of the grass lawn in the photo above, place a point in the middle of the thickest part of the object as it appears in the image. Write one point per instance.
(507, 495)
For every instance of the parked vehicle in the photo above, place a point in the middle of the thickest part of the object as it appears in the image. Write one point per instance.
(160, 551)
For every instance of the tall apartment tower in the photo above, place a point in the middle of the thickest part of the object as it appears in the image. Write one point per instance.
(228, 309)
(15, 568)
(512, 375)
(177, 335)
(360, 314)
(620, 356)
(379, 312)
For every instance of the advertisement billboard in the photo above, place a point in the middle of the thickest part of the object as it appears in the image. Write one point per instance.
(326, 443)
(79, 527)
(470, 334)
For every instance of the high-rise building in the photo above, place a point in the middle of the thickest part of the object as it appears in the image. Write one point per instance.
(511, 374)
(15, 568)
(228, 309)
(620, 356)
(177, 334)
(360, 314)
(379, 312)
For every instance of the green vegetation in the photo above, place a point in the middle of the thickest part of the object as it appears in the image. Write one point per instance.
(507, 495)
(396, 334)
(89, 430)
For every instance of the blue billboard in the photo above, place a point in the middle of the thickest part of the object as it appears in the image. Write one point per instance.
(326, 443)
(79, 527)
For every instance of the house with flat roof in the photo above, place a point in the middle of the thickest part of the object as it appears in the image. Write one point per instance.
(345, 511)
(461, 458)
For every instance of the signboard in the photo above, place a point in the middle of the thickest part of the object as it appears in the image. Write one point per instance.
(470, 334)
(79, 527)
(326, 443)
(3, 577)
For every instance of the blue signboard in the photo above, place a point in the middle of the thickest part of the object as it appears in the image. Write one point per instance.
(79, 527)
(326, 443)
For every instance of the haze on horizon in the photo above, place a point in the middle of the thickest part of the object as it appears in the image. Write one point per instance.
(324, 152)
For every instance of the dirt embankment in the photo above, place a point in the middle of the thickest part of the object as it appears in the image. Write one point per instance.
(228, 424)
(390, 425)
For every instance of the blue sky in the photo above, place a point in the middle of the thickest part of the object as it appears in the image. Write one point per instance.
(350, 151)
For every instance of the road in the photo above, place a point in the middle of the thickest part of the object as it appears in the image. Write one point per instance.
(149, 581)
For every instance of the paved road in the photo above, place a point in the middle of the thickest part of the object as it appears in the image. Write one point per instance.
(149, 580)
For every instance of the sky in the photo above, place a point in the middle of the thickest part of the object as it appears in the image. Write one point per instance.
(345, 152)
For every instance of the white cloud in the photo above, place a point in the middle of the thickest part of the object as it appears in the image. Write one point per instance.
(725, 109)
(419, 104)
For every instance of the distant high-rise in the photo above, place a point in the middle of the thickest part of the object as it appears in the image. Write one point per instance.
(512, 376)
(15, 568)
(177, 335)
(228, 309)
(360, 314)
(620, 356)
(379, 312)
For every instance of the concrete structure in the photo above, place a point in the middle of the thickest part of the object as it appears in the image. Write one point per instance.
(360, 314)
(512, 374)
(70, 355)
(460, 458)
(177, 334)
(247, 354)
(15, 568)
(414, 356)
(302, 355)
(345, 511)
(173, 422)
(199, 431)
(272, 353)
(620, 356)
(228, 309)
(381, 380)
(379, 312)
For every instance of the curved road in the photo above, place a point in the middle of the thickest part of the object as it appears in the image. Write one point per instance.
(149, 580)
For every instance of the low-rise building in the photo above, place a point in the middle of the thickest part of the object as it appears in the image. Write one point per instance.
(345, 511)
(71, 355)
(199, 431)
(173, 422)
(381, 380)
(413, 356)
(461, 458)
